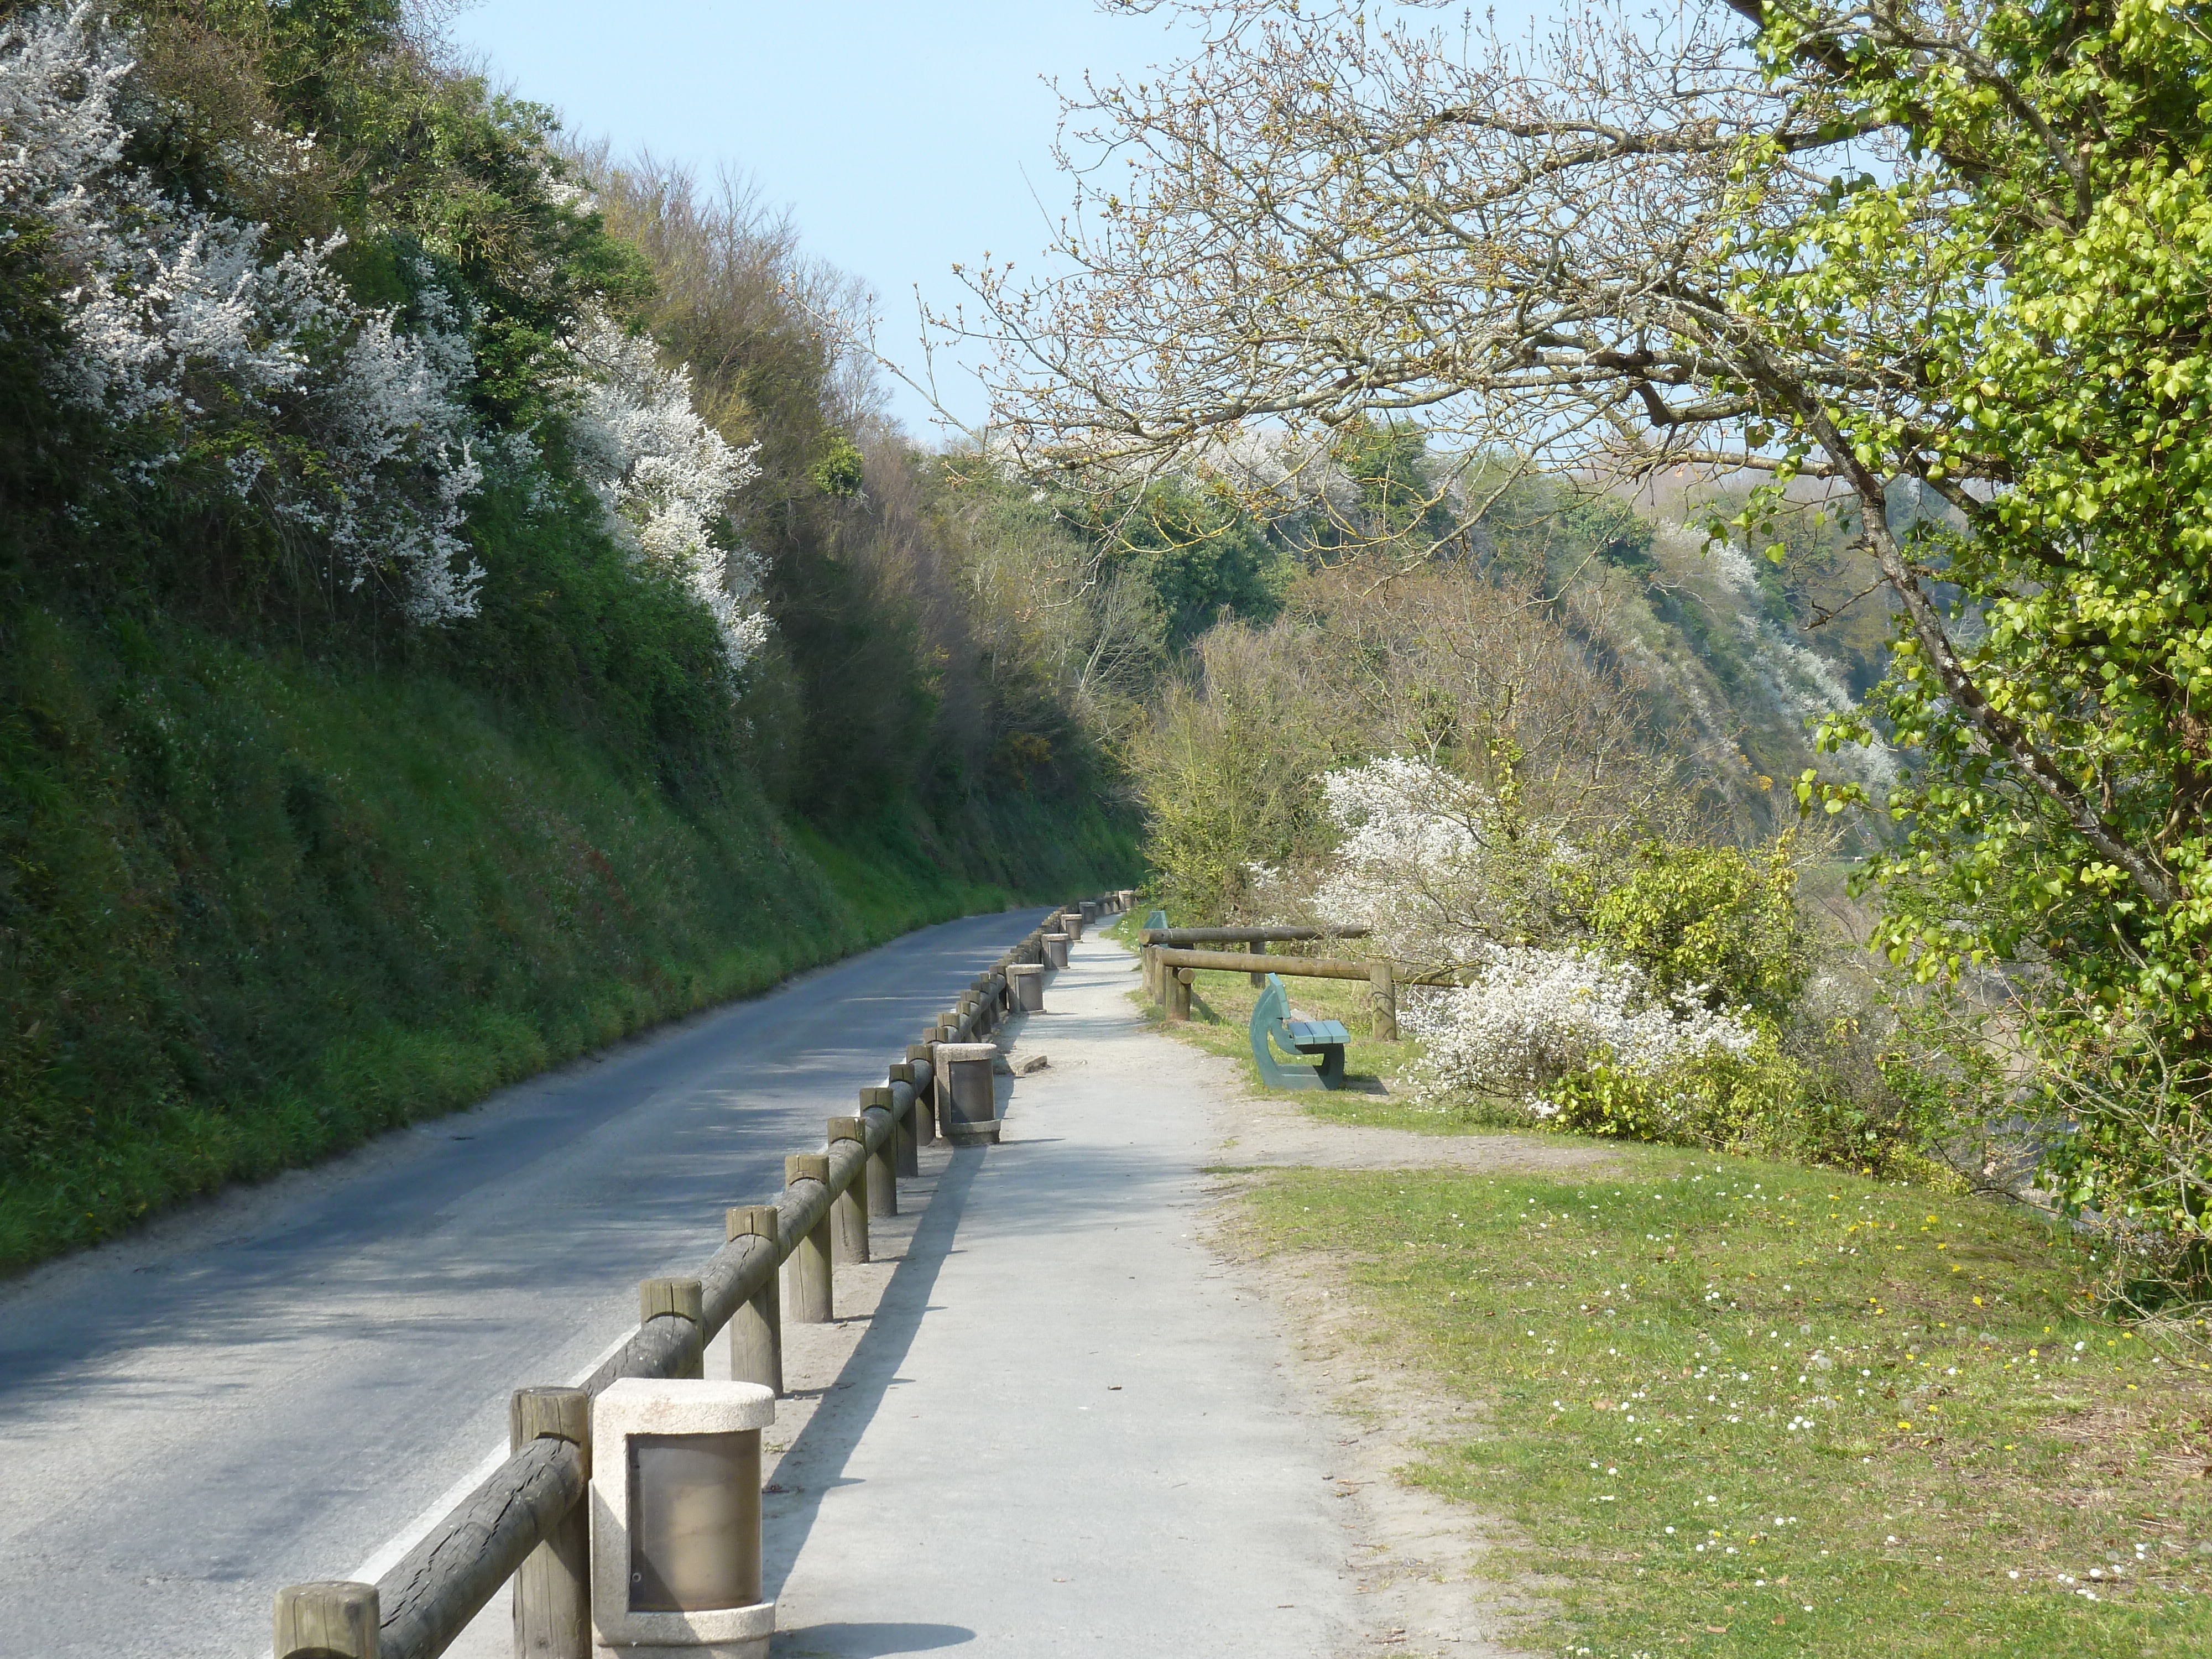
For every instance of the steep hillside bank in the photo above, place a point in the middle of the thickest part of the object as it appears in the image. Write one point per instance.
(255, 909)
(458, 602)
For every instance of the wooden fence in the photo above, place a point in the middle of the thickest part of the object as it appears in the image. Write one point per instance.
(527, 1520)
(1170, 961)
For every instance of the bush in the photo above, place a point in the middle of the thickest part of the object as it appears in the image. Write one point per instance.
(1713, 921)
(1766, 1100)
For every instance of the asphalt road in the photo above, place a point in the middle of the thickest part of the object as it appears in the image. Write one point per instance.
(266, 1391)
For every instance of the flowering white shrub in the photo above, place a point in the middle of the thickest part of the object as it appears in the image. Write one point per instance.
(1536, 1018)
(1409, 860)
(665, 478)
(1422, 858)
(181, 324)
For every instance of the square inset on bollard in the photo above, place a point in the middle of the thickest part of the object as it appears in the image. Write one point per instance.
(676, 1521)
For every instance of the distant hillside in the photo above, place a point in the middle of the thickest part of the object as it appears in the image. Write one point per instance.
(1742, 656)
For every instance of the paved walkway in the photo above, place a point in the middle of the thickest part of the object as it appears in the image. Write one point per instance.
(1066, 1430)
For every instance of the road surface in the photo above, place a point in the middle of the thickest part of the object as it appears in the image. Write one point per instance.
(267, 1390)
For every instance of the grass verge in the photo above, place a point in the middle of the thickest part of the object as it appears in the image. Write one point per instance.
(1748, 1409)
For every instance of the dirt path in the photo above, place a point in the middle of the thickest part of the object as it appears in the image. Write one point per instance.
(1422, 1564)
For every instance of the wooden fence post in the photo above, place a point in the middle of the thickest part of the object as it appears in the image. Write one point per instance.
(848, 1210)
(883, 1163)
(1382, 1002)
(331, 1620)
(678, 1298)
(1179, 981)
(553, 1585)
(907, 1141)
(808, 1265)
(756, 1327)
(924, 1107)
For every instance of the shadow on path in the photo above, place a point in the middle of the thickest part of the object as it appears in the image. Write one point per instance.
(868, 1641)
(820, 1452)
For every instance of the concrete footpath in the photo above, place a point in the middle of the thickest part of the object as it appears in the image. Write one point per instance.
(1064, 1428)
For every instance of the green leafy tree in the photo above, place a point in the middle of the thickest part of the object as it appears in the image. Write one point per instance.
(1203, 559)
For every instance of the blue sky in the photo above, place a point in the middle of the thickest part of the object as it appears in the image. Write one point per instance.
(905, 138)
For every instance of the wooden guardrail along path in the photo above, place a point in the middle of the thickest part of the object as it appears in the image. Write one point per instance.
(526, 1522)
(1177, 936)
(1171, 962)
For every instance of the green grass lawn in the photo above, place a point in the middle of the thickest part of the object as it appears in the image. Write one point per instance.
(1748, 1409)
(1740, 1408)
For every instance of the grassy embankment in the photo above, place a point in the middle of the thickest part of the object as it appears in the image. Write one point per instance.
(1750, 1409)
(254, 911)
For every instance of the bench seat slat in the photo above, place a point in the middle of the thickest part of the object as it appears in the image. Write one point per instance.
(1304, 1031)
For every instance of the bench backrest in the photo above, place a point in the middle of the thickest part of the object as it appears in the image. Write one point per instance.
(1271, 1023)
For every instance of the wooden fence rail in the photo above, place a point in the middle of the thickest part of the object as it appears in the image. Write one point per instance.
(1169, 972)
(523, 1518)
(1243, 935)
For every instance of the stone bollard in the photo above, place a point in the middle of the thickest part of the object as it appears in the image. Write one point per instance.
(676, 1519)
(807, 1271)
(757, 1328)
(1055, 949)
(553, 1585)
(331, 1621)
(1028, 987)
(1090, 908)
(971, 1093)
(1071, 921)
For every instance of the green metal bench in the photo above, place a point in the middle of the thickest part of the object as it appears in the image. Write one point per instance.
(1272, 1028)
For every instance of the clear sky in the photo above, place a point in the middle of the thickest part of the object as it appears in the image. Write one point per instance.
(905, 137)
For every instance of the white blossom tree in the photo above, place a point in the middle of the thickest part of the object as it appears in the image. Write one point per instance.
(665, 478)
(187, 329)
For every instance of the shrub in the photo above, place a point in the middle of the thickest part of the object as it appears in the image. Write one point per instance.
(1536, 1020)
(1714, 922)
(1770, 1097)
